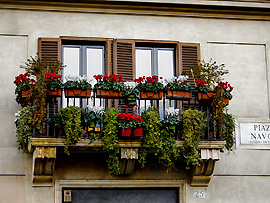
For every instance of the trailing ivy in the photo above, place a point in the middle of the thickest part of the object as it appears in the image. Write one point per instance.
(193, 128)
(110, 139)
(23, 122)
(159, 139)
(228, 132)
(71, 119)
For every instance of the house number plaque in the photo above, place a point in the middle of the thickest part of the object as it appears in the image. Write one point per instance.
(255, 133)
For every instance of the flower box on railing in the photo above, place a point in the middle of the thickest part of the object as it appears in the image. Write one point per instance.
(182, 95)
(55, 93)
(109, 94)
(25, 93)
(151, 95)
(206, 96)
(78, 93)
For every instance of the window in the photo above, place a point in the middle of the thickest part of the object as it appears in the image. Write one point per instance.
(82, 60)
(129, 58)
(155, 60)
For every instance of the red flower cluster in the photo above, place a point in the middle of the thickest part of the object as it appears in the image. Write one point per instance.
(201, 82)
(149, 80)
(112, 77)
(226, 86)
(126, 116)
(23, 78)
(139, 118)
(52, 76)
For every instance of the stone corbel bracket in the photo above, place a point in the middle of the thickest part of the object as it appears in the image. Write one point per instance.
(201, 175)
(43, 166)
(127, 161)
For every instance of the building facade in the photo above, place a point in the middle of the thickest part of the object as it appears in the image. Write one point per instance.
(89, 34)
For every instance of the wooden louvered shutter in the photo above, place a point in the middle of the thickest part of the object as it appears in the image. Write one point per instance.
(124, 64)
(109, 57)
(124, 59)
(49, 48)
(189, 55)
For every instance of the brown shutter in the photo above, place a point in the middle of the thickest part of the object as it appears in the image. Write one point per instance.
(189, 55)
(108, 57)
(49, 48)
(124, 59)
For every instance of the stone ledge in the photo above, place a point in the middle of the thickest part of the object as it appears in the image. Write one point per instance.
(60, 142)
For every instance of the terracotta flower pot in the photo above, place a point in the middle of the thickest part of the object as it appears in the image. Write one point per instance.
(56, 93)
(226, 101)
(25, 93)
(77, 93)
(151, 95)
(126, 132)
(182, 95)
(206, 96)
(138, 132)
(108, 93)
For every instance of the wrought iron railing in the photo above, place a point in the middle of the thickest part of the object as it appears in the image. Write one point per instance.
(182, 103)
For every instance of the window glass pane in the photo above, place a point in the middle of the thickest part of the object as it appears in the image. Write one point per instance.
(94, 65)
(143, 68)
(71, 60)
(165, 63)
(165, 70)
(143, 62)
(94, 61)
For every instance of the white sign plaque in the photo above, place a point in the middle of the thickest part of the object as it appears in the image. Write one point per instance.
(255, 133)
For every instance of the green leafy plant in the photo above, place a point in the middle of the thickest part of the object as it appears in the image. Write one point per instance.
(126, 120)
(178, 84)
(193, 128)
(94, 114)
(112, 82)
(130, 89)
(158, 139)
(201, 86)
(210, 72)
(71, 119)
(22, 82)
(53, 81)
(23, 122)
(171, 118)
(227, 88)
(149, 84)
(228, 132)
(110, 139)
(77, 82)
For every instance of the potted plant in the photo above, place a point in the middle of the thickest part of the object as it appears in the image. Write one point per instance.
(54, 84)
(56, 126)
(138, 127)
(94, 115)
(203, 90)
(178, 88)
(131, 93)
(77, 87)
(227, 89)
(23, 84)
(171, 119)
(109, 86)
(126, 124)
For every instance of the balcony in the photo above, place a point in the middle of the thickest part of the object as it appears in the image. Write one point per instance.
(44, 144)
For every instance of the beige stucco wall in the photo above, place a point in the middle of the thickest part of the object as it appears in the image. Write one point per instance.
(242, 45)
